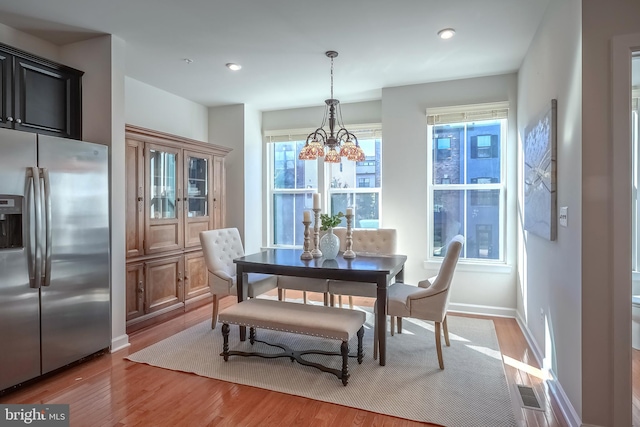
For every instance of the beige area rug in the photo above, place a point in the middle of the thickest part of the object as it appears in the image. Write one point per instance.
(471, 391)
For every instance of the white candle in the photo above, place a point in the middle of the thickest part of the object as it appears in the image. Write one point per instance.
(306, 216)
(316, 200)
(349, 211)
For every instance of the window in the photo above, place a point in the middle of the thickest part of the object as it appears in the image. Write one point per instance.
(358, 185)
(466, 188)
(292, 183)
(483, 146)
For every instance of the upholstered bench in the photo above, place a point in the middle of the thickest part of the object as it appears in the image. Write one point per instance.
(320, 321)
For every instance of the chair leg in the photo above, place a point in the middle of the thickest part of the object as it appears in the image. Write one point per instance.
(393, 324)
(280, 294)
(326, 299)
(399, 325)
(446, 331)
(340, 301)
(214, 314)
(350, 302)
(304, 297)
(332, 300)
(439, 345)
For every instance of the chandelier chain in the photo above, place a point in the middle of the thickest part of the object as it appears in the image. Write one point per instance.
(332, 77)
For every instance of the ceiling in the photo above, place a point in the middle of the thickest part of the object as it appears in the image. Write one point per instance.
(281, 43)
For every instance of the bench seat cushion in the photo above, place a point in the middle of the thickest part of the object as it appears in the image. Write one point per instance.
(316, 320)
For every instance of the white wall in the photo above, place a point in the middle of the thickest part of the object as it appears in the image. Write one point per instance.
(404, 177)
(311, 117)
(549, 274)
(29, 43)
(227, 128)
(153, 108)
(253, 152)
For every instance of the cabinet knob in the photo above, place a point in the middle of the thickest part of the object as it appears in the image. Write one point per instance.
(18, 121)
(139, 199)
(9, 119)
(178, 199)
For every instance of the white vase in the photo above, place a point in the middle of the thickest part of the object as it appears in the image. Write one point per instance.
(329, 245)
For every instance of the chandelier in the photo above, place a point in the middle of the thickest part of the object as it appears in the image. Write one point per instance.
(333, 145)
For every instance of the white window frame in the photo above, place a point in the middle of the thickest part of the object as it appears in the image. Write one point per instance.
(362, 131)
(468, 114)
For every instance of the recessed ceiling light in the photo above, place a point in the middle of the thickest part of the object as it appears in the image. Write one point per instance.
(447, 33)
(188, 60)
(234, 67)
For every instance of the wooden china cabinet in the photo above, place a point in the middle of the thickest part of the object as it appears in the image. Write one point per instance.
(175, 188)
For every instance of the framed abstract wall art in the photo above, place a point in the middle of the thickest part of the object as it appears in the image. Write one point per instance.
(540, 197)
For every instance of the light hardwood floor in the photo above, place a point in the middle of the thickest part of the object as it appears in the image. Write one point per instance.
(111, 391)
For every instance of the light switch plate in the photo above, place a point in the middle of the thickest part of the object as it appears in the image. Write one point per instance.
(564, 216)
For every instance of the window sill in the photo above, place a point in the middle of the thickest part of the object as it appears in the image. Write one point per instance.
(470, 266)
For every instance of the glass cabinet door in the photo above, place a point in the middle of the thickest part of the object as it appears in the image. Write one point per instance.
(197, 186)
(163, 180)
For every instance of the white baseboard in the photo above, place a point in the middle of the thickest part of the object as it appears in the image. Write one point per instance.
(568, 412)
(118, 343)
(484, 310)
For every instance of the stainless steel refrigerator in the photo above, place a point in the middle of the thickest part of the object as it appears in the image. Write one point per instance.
(54, 253)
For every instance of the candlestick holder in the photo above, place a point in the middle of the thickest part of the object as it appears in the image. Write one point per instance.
(316, 252)
(306, 254)
(349, 253)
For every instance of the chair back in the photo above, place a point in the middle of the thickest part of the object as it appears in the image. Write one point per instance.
(381, 241)
(220, 248)
(448, 267)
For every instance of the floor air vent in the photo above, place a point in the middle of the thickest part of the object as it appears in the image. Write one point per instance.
(528, 397)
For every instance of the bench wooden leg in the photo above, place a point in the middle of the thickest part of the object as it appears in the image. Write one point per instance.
(344, 349)
(252, 335)
(225, 343)
(326, 299)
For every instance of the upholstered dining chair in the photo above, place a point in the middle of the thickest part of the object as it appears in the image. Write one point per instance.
(304, 284)
(220, 248)
(430, 299)
(381, 241)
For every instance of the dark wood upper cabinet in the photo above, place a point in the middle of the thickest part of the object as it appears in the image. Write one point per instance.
(39, 95)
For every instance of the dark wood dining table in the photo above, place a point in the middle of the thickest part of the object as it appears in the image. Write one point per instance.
(364, 268)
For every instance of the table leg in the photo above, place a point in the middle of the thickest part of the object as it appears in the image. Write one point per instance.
(381, 307)
(240, 291)
(400, 276)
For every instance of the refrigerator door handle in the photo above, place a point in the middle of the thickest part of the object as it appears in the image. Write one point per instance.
(46, 279)
(37, 265)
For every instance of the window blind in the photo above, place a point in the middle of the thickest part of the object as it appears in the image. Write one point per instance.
(467, 113)
(364, 131)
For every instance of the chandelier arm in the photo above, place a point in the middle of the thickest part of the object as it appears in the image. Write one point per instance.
(321, 132)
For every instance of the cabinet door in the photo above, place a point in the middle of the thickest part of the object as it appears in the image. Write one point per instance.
(219, 192)
(46, 99)
(134, 173)
(164, 278)
(163, 194)
(135, 290)
(196, 279)
(6, 119)
(197, 196)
